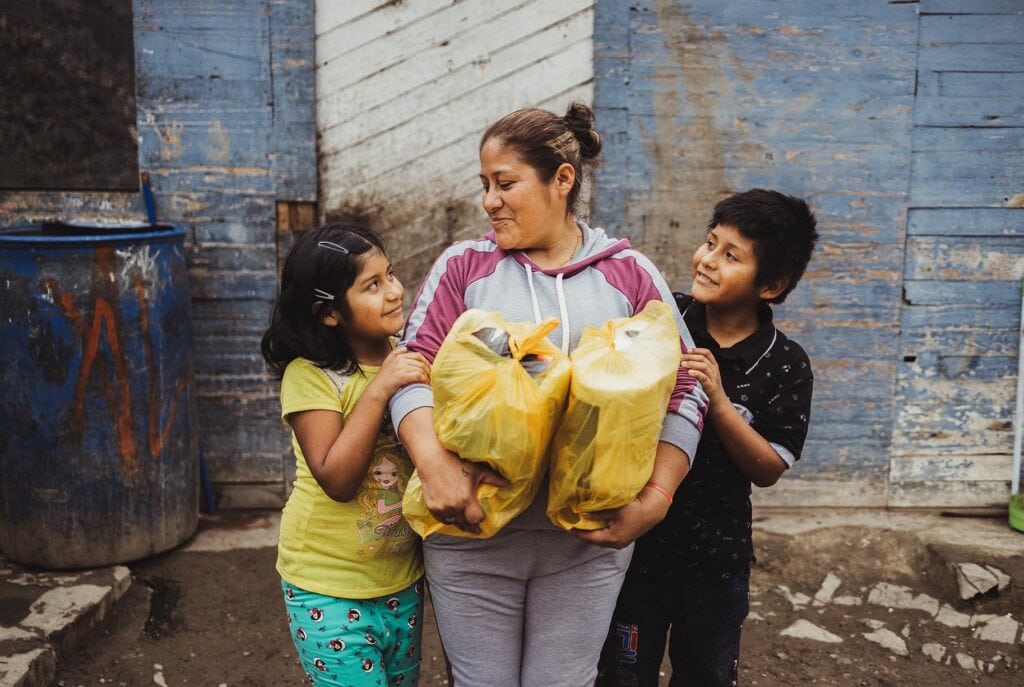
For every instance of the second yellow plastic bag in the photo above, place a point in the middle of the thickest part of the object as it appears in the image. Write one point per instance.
(603, 451)
(499, 407)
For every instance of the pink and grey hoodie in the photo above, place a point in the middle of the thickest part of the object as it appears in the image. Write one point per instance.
(607, 279)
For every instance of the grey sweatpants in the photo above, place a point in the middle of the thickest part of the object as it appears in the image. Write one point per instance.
(525, 608)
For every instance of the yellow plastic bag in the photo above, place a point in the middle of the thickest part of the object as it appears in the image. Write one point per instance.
(499, 390)
(603, 451)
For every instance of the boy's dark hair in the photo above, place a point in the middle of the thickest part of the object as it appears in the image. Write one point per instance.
(783, 229)
(323, 263)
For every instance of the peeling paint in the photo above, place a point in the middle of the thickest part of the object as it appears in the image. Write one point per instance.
(220, 144)
(170, 140)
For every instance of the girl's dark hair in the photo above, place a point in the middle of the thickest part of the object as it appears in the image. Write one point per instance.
(545, 141)
(323, 262)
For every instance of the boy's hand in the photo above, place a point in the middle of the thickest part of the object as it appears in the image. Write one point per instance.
(401, 367)
(702, 365)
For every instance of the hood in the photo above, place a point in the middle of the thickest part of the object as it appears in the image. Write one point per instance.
(597, 246)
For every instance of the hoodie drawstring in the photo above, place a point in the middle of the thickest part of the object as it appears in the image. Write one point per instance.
(563, 308)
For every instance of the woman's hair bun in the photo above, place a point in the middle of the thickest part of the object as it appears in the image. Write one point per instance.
(579, 119)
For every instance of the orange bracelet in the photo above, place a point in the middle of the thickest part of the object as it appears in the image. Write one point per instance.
(660, 489)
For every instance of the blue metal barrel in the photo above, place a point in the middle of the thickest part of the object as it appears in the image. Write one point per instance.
(98, 433)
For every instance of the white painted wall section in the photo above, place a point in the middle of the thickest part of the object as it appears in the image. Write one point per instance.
(404, 91)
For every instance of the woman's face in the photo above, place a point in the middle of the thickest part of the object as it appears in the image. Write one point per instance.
(524, 211)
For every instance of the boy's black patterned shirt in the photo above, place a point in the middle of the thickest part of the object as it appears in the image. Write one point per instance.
(707, 530)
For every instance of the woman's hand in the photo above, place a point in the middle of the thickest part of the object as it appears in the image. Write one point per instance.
(401, 367)
(625, 525)
(450, 490)
(702, 365)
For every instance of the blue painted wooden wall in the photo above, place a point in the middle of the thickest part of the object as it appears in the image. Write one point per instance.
(226, 123)
(901, 123)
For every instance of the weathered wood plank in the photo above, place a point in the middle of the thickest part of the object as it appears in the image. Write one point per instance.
(398, 95)
(251, 496)
(355, 51)
(847, 410)
(978, 467)
(961, 316)
(965, 222)
(949, 494)
(332, 14)
(966, 192)
(987, 293)
(966, 342)
(243, 466)
(1008, 7)
(379, 175)
(292, 151)
(968, 140)
(971, 57)
(970, 112)
(956, 258)
(957, 365)
(971, 28)
(835, 493)
(970, 84)
(239, 284)
(462, 117)
(219, 40)
(199, 93)
(213, 179)
(238, 136)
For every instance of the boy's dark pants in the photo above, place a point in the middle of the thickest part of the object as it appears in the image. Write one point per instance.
(706, 616)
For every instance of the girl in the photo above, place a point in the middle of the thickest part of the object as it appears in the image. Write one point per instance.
(350, 569)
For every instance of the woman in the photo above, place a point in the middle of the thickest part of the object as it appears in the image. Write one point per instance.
(531, 605)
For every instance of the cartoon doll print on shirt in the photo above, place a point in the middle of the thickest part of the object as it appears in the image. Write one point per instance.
(382, 530)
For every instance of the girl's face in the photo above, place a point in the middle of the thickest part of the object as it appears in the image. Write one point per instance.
(374, 307)
(525, 212)
(386, 473)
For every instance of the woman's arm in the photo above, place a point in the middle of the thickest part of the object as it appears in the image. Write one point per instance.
(626, 524)
(449, 483)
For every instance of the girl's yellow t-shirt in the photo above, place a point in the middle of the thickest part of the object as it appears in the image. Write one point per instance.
(356, 550)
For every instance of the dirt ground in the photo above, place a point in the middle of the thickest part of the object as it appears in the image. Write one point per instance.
(217, 619)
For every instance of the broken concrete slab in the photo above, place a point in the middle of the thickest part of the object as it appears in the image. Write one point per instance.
(974, 579)
(828, 588)
(950, 617)
(799, 600)
(897, 596)
(1002, 629)
(888, 640)
(805, 629)
(28, 669)
(934, 651)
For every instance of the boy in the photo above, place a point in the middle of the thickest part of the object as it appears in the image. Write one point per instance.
(692, 571)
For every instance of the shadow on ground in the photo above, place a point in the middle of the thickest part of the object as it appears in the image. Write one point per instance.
(832, 604)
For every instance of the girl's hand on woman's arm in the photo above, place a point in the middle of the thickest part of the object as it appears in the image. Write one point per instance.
(400, 368)
(449, 483)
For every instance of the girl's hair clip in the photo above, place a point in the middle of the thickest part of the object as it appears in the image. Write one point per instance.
(323, 295)
(330, 245)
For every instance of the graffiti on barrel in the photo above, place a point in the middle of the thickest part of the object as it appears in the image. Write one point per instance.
(117, 391)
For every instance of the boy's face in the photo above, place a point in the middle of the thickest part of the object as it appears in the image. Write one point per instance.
(725, 269)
